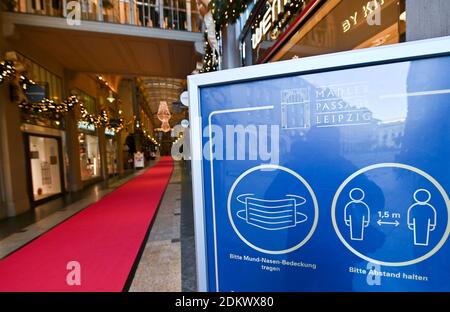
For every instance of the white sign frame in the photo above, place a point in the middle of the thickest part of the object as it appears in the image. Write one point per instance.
(356, 58)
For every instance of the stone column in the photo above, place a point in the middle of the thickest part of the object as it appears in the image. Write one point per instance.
(102, 150)
(13, 176)
(73, 145)
(13, 158)
(189, 15)
(230, 48)
(427, 19)
(119, 156)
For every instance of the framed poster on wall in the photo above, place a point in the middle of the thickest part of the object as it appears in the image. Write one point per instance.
(328, 173)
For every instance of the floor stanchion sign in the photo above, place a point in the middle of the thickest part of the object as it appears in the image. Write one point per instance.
(327, 173)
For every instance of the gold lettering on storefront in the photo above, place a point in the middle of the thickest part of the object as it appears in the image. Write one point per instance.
(269, 18)
(368, 10)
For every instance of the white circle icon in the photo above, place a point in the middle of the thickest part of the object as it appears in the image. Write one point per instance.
(184, 98)
(185, 123)
(422, 200)
(273, 216)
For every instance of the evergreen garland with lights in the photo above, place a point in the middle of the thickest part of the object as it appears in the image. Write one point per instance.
(101, 120)
(46, 107)
(209, 62)
(223, 13)
(7, 70)
(228, 11)
(53, 110)
(49, 108)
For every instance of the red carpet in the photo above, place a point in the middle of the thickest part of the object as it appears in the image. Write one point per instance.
(104, 238)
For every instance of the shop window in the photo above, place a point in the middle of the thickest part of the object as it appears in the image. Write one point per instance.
(261, 41)
(336, 25)
(111, 155)
(45, 165)
(89, 156)
(345, 26)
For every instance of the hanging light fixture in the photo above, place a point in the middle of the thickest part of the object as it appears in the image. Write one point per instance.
(111, 98)
(164, 116)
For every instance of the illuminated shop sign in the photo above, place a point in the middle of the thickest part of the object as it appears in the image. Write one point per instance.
(270, 17)
(369, 12)
(35, 92)
(83, 125)
(109, 132)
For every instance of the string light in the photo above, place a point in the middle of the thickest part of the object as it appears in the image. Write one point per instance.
(7, 70)
(148, 136)
(49, 107)
(102, 120)
(55, 110)
(224, 13)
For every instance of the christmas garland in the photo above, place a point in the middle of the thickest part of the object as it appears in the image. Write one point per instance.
(48, 107)
(102, 120)
(227, 12)
(53, 110)
(223, 13)
(210, 63)
(7, 70)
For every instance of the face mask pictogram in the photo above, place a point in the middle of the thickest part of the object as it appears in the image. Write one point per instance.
(272, 214)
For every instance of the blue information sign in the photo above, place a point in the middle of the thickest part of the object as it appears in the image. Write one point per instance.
(35, 92)
(325, 174)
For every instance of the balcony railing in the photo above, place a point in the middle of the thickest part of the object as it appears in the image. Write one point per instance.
(166, 14)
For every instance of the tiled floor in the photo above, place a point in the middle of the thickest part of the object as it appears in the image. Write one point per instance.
(168, 259)
(20, 230)
(160, 266)
(188, 264)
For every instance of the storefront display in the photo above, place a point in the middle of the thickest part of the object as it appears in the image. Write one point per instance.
(89, 156)
(111, 155)
(43, 132)
(319, 27)
(45, 166)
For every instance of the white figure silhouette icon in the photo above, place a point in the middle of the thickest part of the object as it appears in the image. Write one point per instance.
(357, 214)
(421, 218)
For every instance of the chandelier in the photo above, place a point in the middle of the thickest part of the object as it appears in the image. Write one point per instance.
(164, 116)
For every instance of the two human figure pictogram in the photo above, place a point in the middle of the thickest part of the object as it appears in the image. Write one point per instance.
(421, 216)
